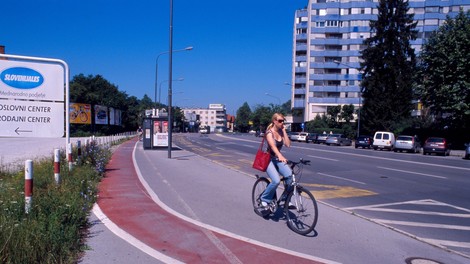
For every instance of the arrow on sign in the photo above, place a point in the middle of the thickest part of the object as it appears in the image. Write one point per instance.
(17, 130)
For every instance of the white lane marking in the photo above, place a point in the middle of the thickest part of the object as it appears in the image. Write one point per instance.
(411, 172)
(407, 223)
(157, 200)
(131, 239)
(364, 156)
(341, 178)
(402, 211)
(448, 243)
(318, 157)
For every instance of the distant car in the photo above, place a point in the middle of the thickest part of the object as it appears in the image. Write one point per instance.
(467, 151)
(251, 132)
(312, 137)
(338, 140)
(321, 138)
(203, 130)
(436, 145)
(383, 140)
(407, 143)
(363, 142)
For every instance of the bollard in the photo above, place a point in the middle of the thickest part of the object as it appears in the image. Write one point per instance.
(79, 150)
(28, 185)
(69, 155)
(57, 166)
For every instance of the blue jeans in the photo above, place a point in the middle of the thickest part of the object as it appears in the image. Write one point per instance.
(275, 169)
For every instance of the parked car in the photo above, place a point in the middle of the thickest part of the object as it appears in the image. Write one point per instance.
(321, 138)
(467, 151)
(407, 143)
(436, 145)
(383, 140)
(293, 136)
(363, 142)
(303, 137)
(312, 137)
(338, 139)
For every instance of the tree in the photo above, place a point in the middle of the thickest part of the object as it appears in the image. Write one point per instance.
(333, 112)
(388, 67)
(347, 112)
(261, 116)
(444, 78)
(242, 121)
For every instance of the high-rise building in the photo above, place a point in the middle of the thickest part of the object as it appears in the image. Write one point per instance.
(328, 38)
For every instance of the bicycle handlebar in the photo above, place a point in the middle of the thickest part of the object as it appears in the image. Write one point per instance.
(301, 161)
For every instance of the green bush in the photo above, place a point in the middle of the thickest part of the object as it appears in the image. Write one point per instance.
(53, 231)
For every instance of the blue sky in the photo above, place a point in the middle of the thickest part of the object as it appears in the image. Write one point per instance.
(242, 49)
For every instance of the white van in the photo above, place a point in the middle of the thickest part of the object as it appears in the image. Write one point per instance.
(383, 140)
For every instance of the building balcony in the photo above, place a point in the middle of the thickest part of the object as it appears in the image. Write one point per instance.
(334, 100)
(299, 91)
(299, 103)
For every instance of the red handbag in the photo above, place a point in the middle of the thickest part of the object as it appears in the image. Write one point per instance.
(262, 158)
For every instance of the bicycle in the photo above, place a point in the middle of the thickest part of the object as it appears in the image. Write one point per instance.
(300, 206)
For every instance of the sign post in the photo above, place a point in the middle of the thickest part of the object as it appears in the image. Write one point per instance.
(32, 99)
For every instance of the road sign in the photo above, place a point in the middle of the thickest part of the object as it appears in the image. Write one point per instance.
(31, 119)
(32, 101)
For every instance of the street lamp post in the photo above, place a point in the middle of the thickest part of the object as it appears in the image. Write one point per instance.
(278, 99)
(360, 99)
(156, 69)
(160, 87)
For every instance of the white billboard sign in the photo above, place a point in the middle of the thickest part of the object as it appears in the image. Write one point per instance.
(31, 99)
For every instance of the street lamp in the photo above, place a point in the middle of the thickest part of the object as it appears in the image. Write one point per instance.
(156, 69)
(160, 89)
(268, 94)
(360, 98)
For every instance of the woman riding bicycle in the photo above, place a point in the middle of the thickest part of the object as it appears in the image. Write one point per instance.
(276, 136)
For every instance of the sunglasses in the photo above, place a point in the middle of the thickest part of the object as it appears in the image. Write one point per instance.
(280, 120)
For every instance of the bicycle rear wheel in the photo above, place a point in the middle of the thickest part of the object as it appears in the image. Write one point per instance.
(301, 211)
(258, 189)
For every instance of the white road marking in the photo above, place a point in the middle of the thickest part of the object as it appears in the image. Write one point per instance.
(448, 243)
(318, 157)
(341, 178)
(401, 211)
(411, 172)
(407, 223)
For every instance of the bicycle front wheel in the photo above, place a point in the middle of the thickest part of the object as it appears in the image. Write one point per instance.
(258, 189)
(301, 211)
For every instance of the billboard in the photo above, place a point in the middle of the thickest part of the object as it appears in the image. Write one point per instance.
(101, 115)
(80, 113)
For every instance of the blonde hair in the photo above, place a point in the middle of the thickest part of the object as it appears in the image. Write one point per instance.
(274, 118)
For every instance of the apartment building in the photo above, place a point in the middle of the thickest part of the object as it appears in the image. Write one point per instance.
(328, 38)
(215, 117)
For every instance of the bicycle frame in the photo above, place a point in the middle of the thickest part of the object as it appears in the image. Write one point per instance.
(300, 207)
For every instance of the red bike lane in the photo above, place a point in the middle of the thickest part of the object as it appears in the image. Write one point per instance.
(124, 200)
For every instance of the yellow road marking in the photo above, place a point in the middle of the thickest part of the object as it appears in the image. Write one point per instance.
(321, 191)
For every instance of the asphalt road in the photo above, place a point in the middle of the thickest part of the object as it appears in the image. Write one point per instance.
(425, 197)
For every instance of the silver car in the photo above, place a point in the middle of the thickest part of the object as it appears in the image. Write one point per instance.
(408, 144)
(338, 139)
